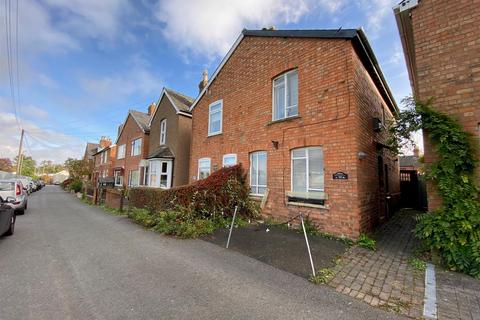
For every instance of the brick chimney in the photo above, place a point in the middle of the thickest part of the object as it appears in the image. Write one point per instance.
(105, 142)
(416, 151)
(204, 81)
(151, 108)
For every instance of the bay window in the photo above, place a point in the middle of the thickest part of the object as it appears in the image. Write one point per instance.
(160, 173)
(134, 178)
(285, 95)
(258, 172)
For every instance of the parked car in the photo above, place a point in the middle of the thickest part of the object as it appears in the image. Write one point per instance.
(7, 217)
(26, 185)
(14, 189)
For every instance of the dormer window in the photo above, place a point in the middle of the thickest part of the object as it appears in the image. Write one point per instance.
(163, 131)
(285, 95)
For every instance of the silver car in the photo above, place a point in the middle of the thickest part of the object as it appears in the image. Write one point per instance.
(14, 189)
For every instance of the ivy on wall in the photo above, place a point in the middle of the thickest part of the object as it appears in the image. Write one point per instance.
(454, 228)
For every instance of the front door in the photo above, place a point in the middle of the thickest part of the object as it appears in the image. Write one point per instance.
(160, 173)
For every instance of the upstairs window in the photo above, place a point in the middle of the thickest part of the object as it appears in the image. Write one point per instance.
(285, 95)
(203, 168)
(229, 160)
(307, 170)
(163, 131)
(121, 152)
(136, 147)
(215, 118)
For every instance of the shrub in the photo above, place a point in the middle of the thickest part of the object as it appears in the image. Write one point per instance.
(214, 196)
(323, 276)
(454, 228)
(366, 242)
(142, 217)
(76, 186)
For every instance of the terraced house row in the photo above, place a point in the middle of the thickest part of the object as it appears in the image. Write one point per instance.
(304, 112)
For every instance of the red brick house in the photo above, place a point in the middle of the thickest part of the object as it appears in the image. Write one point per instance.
(304, 111)
(169, 142)
(129, 165)
(441, 44)
(103, 161)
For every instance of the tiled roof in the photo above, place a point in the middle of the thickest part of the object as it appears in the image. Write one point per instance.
(142, 119)
(409, 161)
(161, 152)
(181, 101)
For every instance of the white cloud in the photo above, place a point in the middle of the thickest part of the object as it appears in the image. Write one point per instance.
(41, 144)
(209, 27)
(92, 18)
(376, 11)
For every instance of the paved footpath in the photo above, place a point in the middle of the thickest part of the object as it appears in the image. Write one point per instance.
(68, 260)
(385, 278)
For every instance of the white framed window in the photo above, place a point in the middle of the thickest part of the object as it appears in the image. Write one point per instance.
(258, 172)
(136, 147)
(307, 170)
(163, 131)
(121, 152)
(160, 174)
(215, 114)
(285, 95)
(203, 168)
(118, 178)
(229, 159)
(134, 178)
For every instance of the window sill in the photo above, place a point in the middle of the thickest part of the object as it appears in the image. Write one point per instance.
(309, 205)
(214, 134)
(283, 120)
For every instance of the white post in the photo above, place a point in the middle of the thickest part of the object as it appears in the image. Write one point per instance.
(231, 226)
(308, 245)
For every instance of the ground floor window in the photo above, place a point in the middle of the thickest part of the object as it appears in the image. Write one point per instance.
(229, 160)
(118, 178)
(258, 172)
(134, 178)
(203, 168)
(307, 170)
(160, 173)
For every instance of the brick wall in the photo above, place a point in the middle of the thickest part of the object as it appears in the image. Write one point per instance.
(130, 132)
(328, 117)
(447, 55)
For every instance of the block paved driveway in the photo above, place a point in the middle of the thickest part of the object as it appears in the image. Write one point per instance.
(68, 260)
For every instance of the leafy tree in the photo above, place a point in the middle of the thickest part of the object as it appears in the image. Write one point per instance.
(454, 228)
(77, 168)
(47, 166)
(6, 165)
(27, 166)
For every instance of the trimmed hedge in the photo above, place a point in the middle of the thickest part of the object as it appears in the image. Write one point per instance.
(216, 195)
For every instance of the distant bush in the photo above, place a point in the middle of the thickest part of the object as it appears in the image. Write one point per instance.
(76, 186)
(216, 195)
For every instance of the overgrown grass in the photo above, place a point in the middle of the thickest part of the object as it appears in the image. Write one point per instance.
(115, 212)
(323, 276)
(364, 241)
(417, 264)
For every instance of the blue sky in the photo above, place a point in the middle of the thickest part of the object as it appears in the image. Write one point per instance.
(83, 63)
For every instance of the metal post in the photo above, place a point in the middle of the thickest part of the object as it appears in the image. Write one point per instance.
(231, 226)
(308, 245)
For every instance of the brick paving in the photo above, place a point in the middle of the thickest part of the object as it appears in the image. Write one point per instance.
(458, 296)
(384, 278)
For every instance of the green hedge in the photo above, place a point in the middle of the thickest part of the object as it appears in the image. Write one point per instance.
(216, 195)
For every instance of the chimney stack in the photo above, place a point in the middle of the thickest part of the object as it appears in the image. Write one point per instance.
(204, 81)
(416, 151)
(151, 108)
(105, 142)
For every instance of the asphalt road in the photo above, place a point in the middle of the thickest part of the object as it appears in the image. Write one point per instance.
(68, 260)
